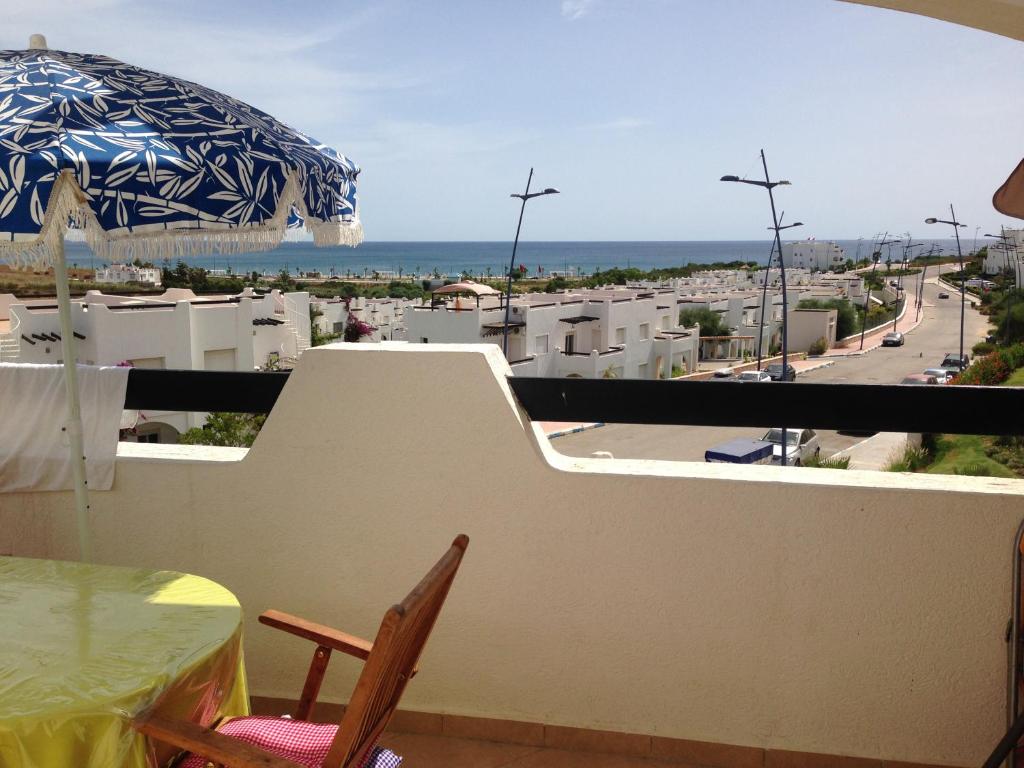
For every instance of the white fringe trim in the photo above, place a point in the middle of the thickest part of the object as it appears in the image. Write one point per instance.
(67, 205)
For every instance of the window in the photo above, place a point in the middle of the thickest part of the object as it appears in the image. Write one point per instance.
(620, 335)
(645, 331)
(424, 340)
(570, 343)
(540, 344)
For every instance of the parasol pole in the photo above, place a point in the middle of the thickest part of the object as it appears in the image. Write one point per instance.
(73, 426)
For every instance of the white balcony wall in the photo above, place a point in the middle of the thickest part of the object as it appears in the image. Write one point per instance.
(815, 610)
(461, 327)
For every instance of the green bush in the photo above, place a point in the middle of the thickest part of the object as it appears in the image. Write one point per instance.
(982, 348)
(711, 323)
(913, 459)
(819, 347)
(832, 462)
(846, 316)
(974, 470)
(994, 368)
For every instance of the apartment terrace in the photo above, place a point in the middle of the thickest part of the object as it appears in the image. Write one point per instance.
(704, 614)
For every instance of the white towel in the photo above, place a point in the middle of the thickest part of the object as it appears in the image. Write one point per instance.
(34, 446)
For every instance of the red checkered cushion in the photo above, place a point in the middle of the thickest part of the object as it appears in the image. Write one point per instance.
(296, 740)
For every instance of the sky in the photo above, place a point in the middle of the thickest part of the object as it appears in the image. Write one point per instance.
(633, 109)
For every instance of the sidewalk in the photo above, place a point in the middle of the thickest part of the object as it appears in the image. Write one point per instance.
(906, 323)
(879, 450)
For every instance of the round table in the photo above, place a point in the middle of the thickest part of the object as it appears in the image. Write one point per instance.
(85, 648)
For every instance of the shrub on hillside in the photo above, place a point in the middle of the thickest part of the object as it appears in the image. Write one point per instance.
(819, 347)
(982, 348)
(994, 368)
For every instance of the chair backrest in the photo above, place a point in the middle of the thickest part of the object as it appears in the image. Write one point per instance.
(392, 661)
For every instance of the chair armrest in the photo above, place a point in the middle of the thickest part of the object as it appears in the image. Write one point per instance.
(318, 633)
(213, 745)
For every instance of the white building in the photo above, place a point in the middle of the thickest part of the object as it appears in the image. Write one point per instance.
(175, 330)
(813, 255)
(1001, 256)
(589, 333)
(120, 274)
(385, 316)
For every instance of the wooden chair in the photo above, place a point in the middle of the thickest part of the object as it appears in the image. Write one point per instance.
(390, 662)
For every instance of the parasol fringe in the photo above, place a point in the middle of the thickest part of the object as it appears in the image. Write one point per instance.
(65, 212)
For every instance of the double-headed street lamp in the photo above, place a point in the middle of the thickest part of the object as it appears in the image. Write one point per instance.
(876, 255)
(960, 257)
(527, 195)
(764, 290)
(904, 265)
(770, 185)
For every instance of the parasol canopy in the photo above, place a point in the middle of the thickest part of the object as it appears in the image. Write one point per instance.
(153, 166)
(1009, 198)
(468, 286)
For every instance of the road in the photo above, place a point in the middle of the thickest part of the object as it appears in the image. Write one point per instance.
(925, 347)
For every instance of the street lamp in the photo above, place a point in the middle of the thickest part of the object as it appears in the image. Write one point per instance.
(1009, 294)
(527, 195)
(764, 290)
(904, 265)
(770, 185)
(876, 256)
(920, 284)
(960, 257)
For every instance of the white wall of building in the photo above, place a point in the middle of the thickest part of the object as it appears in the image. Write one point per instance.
(635, 334)
(128, 273)
(813, 255)
(175, 331)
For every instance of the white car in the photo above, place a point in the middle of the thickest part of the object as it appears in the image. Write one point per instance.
(801, 445)
(942, 375)
(758, 376)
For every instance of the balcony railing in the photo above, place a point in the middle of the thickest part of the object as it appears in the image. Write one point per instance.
(610, 351)
(850, 407)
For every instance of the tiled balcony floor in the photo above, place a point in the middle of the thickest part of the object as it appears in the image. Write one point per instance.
(423, 751)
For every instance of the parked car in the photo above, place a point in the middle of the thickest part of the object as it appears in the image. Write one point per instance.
(801, 445)
(943, 375)
(776, 373)
(894, 339)
(758, 376)
(741, 450)
(920, 378)
(942, 295)
(952, 360)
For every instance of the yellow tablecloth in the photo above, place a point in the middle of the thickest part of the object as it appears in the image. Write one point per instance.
(84, 648)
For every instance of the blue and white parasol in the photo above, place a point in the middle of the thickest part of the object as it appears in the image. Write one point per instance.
(148, 166)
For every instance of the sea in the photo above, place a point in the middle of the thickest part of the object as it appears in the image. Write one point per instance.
(490, 258)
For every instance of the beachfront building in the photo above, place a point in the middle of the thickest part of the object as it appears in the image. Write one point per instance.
(1006, 256)
(590, 333)
(176, 330)
(385, 316)
(121, 274)
(813, 255)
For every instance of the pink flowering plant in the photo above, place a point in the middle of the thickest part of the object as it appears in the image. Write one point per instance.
(355, 329)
